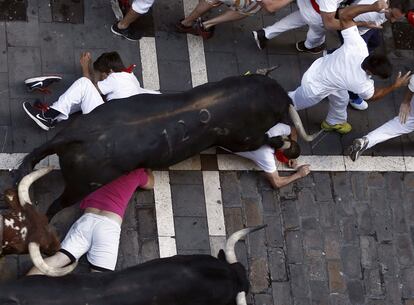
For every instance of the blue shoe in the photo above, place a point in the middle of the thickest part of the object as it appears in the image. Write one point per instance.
(358, 104)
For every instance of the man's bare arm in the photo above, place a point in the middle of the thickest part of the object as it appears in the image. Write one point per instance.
(330, 22)
(86, 65)
(279, 181)
(347, 15)
(400, 81)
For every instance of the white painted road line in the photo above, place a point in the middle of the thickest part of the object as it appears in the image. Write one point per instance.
(214, 208)
(197, 57)
(164, 214)
(229, 162)
(148, 53)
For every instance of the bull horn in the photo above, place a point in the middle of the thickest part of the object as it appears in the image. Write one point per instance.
(38, 261)
(26, 182)
(266, 71)
(234, 238)
(294, 115)
(241, 298)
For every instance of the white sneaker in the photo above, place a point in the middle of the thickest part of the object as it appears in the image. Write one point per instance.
(358, 104)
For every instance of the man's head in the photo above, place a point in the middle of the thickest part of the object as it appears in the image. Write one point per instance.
(108, 63)
(293, 152)
(377, 64)
(398, 9)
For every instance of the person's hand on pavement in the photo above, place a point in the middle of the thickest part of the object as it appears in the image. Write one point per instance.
(303, 170)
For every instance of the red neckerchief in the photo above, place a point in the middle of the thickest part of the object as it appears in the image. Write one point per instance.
(129, 69)
(410, 17)
(315, 6)
(280, 156)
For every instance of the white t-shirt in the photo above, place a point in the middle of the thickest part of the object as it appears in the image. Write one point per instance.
(121, 85)
(341, 70)
(375, 17)
(264, 156)
(309, 14)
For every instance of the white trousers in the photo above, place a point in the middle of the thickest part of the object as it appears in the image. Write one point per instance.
(142, 6)
(81, 96)
(393, 128)
(338, 102)
(304, 16)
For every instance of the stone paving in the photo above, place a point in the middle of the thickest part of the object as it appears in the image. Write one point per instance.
(332, 238)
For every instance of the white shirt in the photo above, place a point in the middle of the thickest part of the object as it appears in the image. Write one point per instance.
(121, 85)
(341, 70)
(411, 84)
(328, 6)
(375, 17)
(264, 156)
(309, 14)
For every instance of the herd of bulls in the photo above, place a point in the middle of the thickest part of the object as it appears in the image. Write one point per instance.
(115, 138)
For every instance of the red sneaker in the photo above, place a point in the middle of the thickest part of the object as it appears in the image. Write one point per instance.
(203, 32)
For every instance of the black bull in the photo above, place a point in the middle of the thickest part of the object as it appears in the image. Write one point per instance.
(177, 280)
(156, 131)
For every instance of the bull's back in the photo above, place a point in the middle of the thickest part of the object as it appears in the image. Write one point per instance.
(160, 130)
(181, 280)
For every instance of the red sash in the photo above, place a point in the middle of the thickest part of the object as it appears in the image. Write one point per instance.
(315, 6)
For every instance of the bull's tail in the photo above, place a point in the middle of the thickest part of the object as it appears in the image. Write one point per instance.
(30, 160)
(234, 238)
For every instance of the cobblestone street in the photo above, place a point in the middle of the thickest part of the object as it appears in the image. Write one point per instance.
(332, 238)
(342, 235)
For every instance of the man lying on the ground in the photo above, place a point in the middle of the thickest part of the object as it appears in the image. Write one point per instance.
(401, 124)
(286, 150)
(113, 80)
(98, 230)
(348, 68)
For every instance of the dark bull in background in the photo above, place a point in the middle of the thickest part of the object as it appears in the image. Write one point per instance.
(177, 280)
(157, 131)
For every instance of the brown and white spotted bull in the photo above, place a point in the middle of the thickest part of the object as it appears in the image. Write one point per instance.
(176, 280)
(159, 130)
(24, 230)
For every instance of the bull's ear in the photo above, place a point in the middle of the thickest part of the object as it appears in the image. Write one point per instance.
(11, 198)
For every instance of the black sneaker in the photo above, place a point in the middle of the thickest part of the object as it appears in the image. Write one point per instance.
(260, 38)
(126, 33)
(41, 82)
(39, 117)
(357, 148)
(300, 46)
